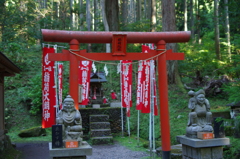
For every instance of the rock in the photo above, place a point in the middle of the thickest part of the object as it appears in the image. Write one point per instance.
(32, 132)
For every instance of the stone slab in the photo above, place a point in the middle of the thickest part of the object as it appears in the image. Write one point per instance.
(198, 143)
(84, 150)
(96, 105)
(115, 104)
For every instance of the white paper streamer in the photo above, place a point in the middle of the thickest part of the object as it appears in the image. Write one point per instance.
(94, 67)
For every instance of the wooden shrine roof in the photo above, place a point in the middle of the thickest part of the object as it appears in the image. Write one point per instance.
(7, 67)
(98, 77)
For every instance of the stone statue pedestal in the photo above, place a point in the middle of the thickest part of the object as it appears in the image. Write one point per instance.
(70, 153)
(199, 149)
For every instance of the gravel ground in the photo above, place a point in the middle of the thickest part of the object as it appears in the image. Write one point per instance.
(115, 151)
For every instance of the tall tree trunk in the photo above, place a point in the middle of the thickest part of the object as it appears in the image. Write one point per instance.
(112, 14)
(2, 19)
(192, 18)
(185, 16)
(139, 10)
(124, 10)
(81, 14)
(153, 16)
(106, 27)
(89, 18)
(227, 26)
(197, 23)
(71, 15)
(132, 12)
(169, 24)
(217, 41)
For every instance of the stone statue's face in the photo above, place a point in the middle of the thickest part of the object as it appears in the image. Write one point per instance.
(201, 98)
(68, 107)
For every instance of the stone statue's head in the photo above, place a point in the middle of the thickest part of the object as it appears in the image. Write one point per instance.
(200, 96)
(68, 104)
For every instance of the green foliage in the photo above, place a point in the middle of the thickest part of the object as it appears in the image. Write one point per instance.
(201, 57)
(232, 90)
(34, 92)
(232, 151)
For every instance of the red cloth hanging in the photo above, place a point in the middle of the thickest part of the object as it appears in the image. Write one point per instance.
(84, 80)
(48, 90)
(126, 78)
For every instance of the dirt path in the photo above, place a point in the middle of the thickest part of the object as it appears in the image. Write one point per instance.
(39, 150)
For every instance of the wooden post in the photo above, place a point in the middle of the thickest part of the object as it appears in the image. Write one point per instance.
(73, 79)
(163, 96)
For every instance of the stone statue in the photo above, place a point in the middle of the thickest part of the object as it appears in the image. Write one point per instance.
(200, 117)
(71, 121)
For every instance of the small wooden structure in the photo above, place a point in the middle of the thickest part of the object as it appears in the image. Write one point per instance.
(96, 80)
(7, 68)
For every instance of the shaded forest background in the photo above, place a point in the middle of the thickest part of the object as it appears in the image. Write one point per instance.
(212, 53)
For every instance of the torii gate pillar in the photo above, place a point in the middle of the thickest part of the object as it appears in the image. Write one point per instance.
(163, 96)
(73, 71)
(119, 53)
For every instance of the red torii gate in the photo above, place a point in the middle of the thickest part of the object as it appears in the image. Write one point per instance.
(119, 42)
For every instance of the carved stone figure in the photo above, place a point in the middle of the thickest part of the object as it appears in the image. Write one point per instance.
(71, 121)
(200, 116)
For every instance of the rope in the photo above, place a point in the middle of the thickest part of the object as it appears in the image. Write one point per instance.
(71, 51)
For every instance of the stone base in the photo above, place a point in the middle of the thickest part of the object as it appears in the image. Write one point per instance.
(70, 153)
(96, 105)
(115, 104)
(202, 149)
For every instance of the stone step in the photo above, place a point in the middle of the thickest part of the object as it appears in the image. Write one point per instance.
(176, 151)
(98, 118)
(99, 125)
(102, 140)
(100, 132)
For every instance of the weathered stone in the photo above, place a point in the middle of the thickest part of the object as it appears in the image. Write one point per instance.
(102, 140)
(32, 132)
(202, 149)
(71, 121)
(200, 117)
(76, 153)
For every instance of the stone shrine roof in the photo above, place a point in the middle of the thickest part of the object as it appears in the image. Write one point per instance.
(98, 77)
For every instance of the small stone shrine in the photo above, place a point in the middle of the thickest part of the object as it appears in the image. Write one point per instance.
(199, 142)
(69, 130)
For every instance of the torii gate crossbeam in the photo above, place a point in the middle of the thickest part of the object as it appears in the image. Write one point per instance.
(119, 41)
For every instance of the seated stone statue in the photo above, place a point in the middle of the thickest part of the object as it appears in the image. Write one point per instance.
(200, 117)
(71, 121)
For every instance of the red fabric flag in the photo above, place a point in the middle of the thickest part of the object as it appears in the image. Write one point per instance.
(60, 78)
(85, 68)
(48, 90)
(140, 86)
(126, 78)
(146, 87)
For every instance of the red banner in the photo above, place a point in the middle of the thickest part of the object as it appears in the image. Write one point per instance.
(126, 78)
(140, 86)
(60, 78)
(48, 90)
(85, 68)
(146, 87)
